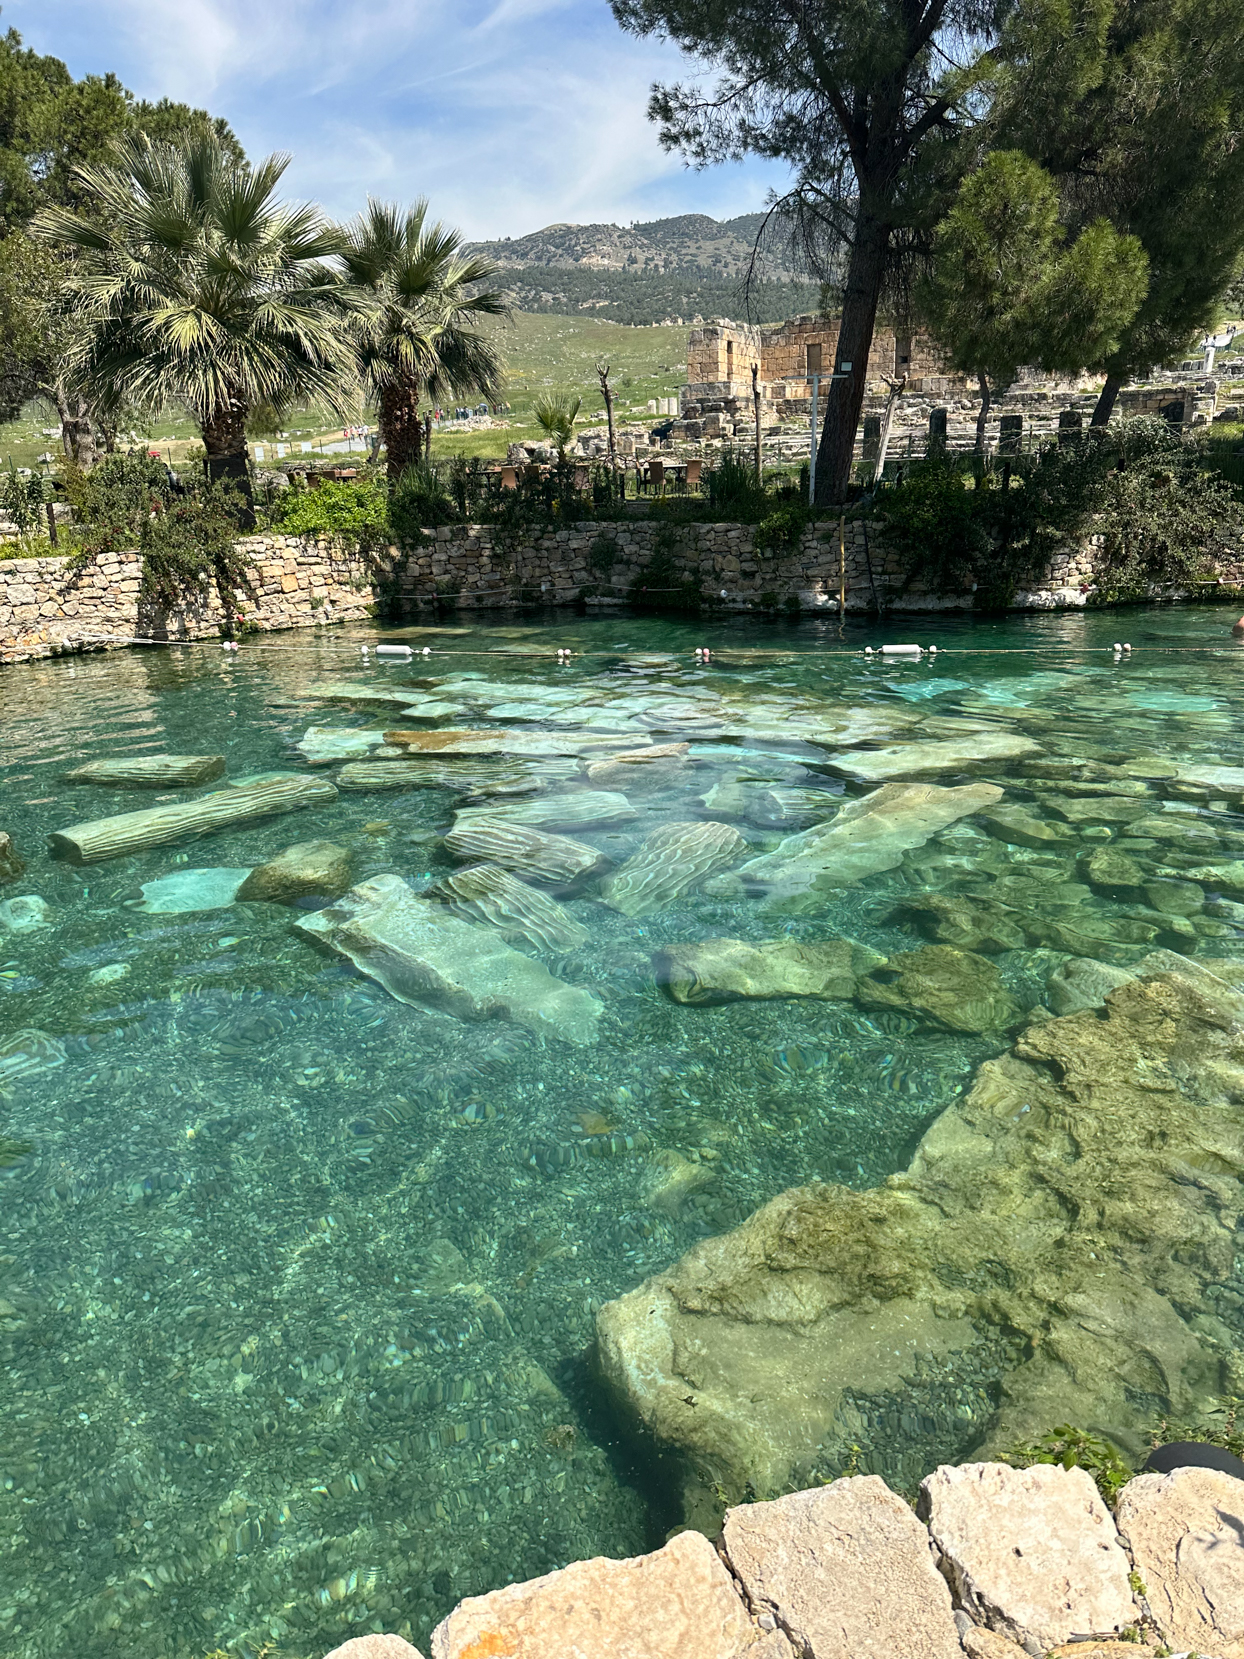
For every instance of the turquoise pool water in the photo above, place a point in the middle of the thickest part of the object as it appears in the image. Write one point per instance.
(297, 1280)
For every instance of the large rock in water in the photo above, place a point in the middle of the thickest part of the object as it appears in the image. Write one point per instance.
(727, 970)
(421, 953)
(577, 809)
(868, 835)
(150, 771)
(555, 860)
(673, 861)
(1082, 1198)
(487, 893)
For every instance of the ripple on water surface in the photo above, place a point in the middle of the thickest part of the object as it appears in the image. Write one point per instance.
(299, 1279)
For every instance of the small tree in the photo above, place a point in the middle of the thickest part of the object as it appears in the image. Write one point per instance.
(555, 416)
(192, 284)
(419, 333)
(1006, 287)
(602, 374)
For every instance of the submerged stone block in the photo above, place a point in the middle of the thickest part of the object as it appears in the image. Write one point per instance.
(729, 970)
(306, 870)
(672, 862)
(421, 953)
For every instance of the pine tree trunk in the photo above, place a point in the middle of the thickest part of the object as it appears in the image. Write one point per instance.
(401, 427)
(1106, 400)
(983, 418)
(844, 398)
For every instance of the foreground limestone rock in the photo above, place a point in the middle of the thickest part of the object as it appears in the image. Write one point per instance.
(555, 860)
(868, 835)
(727, 970)
(11, 866)
(678, 1603)
(578, 809)
(375, 1647)
(1081, 1198)
(846, 1571)
(306, 870)
(421, 953)
(1030, 1553)
(1186, 1534)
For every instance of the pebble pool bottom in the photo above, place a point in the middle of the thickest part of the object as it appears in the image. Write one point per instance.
(297, 1281)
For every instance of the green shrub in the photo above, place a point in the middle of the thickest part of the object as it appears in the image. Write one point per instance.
(115, 500)
(780, 531)
(735, 493)
(420, 500)
(935, 525)
(352, 508)
(1072, 1448)
(188, 548)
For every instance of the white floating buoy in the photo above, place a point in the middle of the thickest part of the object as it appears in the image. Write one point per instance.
(932, 650)
(393, 651)
(723, 593)
(427, 651)
(1116, 646)
(868, 650)
(1126, 646)
(902, 651)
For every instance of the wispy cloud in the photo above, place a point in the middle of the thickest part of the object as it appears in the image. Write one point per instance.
(509, 114)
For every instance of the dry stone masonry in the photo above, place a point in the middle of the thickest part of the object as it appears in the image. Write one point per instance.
(1006, 1563)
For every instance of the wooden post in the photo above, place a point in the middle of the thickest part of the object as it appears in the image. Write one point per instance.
(52, 537)
(756, 412)
(841, 566)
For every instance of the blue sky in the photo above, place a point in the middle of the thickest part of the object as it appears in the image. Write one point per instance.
(509, 114)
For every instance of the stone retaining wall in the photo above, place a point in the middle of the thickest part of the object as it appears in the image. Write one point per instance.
(46, 608)
(996, 1563)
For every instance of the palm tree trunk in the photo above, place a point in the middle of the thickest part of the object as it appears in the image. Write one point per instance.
(1106, 400)
(400, 426)
(982, 420)
(224, 439)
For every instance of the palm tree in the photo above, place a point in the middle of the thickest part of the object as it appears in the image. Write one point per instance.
(555, 416)
(192, 284)
(419, 335)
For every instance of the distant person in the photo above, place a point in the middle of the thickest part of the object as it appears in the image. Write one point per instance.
(1238, 630)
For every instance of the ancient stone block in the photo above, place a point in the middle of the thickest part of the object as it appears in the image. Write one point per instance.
(1186, 1534)
(1030, 1553)
(846, 1570)
(678, 1603)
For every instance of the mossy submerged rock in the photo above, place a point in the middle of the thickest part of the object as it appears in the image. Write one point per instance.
(964, 921)
(1053, 1203)
(1115, 874)
(731, 970)
(309, 869)
(11, 866)
(954, 989)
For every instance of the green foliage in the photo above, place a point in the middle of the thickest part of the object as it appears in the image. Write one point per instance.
(1073, 1448)
(1135, 106)
(191, 284)
(603, 553)
(736, 494)
(660, 587)
(188, 548)
(780, 530)
(357, 509)
(115, 500)
(647, 297)
(420, 500)
(1004, 290)
(1227, 1431)
(555, 416)
(935, 525)
(1138, 485)
(21, 499)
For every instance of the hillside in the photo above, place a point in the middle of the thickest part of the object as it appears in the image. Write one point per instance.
(684, 269)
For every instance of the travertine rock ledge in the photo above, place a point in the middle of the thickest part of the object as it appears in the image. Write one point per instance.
(1009, 1563)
